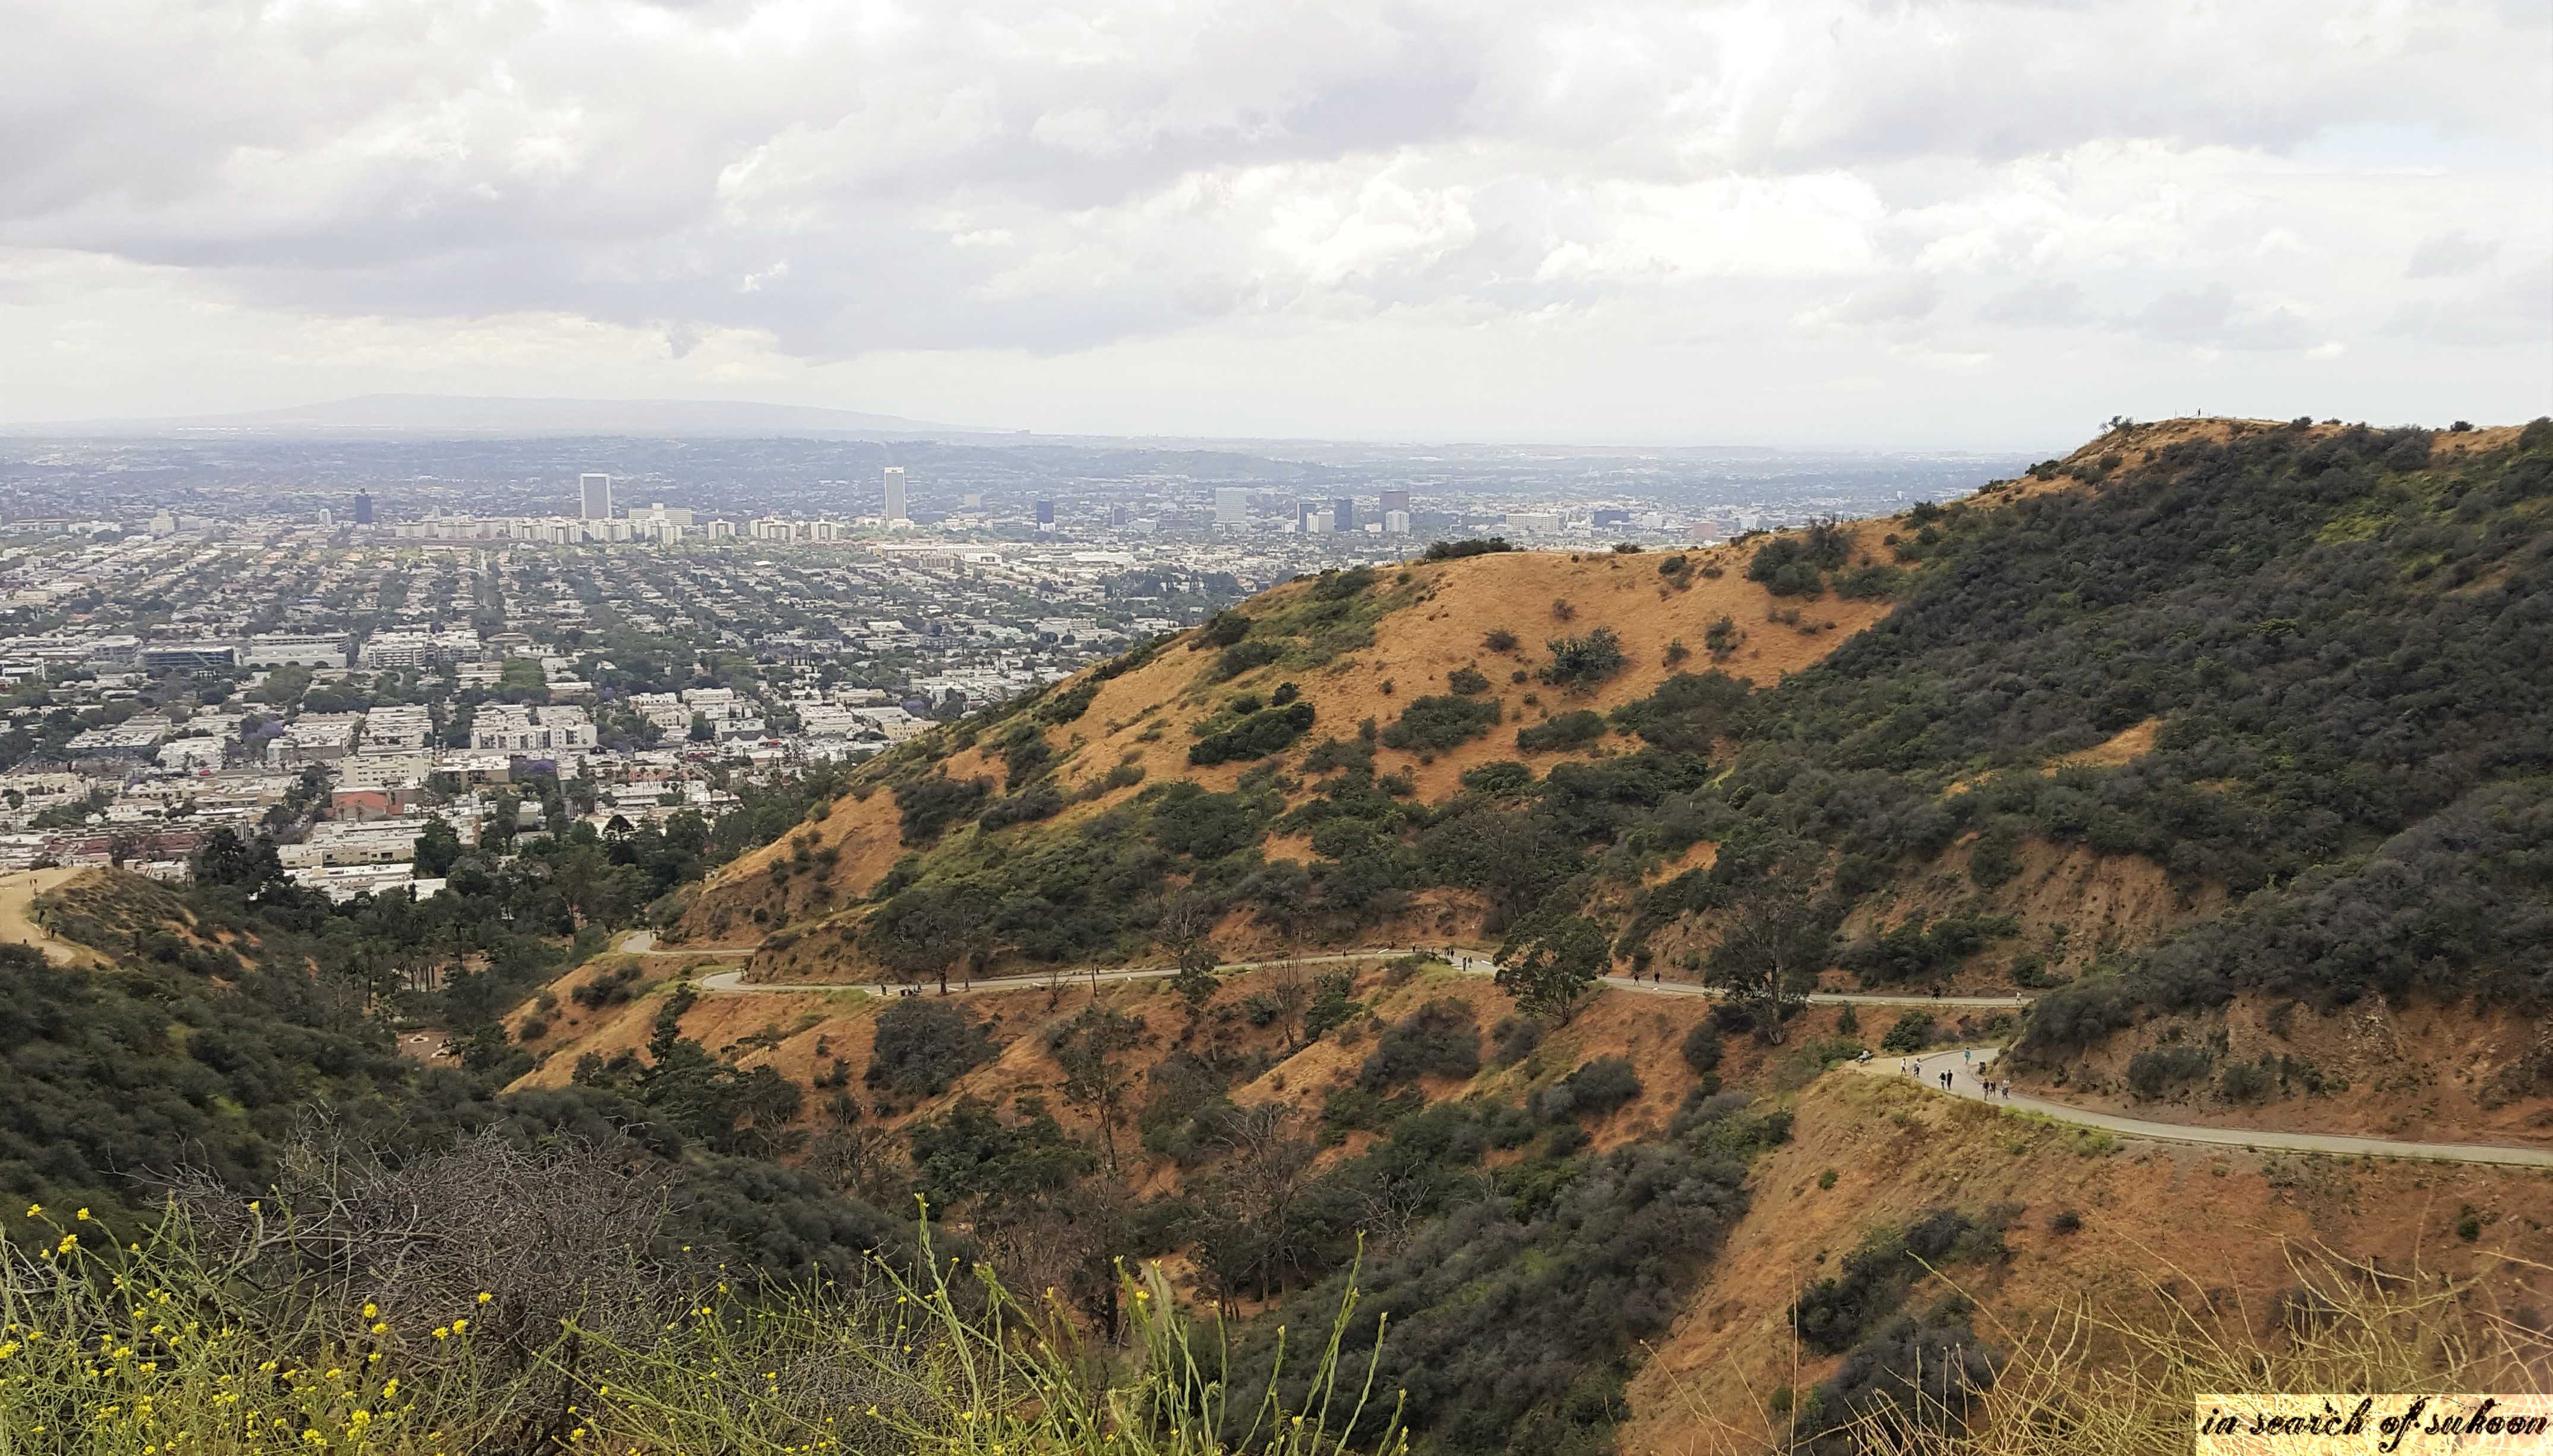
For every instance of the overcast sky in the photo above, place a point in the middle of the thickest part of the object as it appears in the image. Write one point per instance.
(1875, 224)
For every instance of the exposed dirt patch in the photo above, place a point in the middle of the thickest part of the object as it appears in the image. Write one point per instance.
(2124, 747)
(1896, 1153)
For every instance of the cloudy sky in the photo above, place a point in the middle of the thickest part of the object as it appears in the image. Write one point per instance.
(1872, 224)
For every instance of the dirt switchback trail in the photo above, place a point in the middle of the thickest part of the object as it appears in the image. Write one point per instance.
(1964, 1065)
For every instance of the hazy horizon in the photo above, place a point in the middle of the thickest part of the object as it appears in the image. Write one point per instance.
(1961, 225)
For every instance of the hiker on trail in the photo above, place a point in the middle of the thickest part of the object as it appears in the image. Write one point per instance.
(1963, 1059)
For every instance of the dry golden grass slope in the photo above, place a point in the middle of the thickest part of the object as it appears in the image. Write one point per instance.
(1440, 616)
(2271, 1223)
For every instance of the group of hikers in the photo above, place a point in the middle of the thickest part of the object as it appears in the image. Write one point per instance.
(1912, 1065)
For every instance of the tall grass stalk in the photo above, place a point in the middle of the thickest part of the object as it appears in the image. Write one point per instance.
(154, 1346)
(2119, 1378)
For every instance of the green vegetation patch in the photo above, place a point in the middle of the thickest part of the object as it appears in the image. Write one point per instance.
(1442, 721)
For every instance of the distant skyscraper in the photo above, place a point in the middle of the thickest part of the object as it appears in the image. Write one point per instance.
(1395, 523)
(1120, 516)
(362, 509)
(1046, 515)
(894, 510)
(972, 500)
(1396, 500)
(1231, 509)
(1304, 511)
(593, 494)
(1343, 514)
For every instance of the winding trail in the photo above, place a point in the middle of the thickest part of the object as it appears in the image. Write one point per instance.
(733, 982)
(1964, 1063)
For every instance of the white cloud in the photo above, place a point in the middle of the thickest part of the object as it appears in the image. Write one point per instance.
(1727, 189)
(2449, 256)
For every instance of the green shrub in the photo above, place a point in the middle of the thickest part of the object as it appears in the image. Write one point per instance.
(1506, 779)
(1579, 664)
(1591, 1093)
(1223, 629)
(1042, 803)
(1257, 736)
(1467, 682)
(1446, 550)
(1688, 713)
(1513, 1039)
(2245, 1082)
(924, 1045)
(1337, 585)
(1439, 1039)
(1833, 1314)
(1720, 637)
(1702, 1048)
(1442, 721)
(1246, 656)
(1569, 730)
(2153, 1072)
(928, 806)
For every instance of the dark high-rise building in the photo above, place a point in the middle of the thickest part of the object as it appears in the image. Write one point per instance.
(1343, 514)
(1394, 500)
(1609, 516)
(1045, 512)
(362, 509)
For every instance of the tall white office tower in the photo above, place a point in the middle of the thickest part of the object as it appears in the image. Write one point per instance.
(1231, 509)
(895, 508)
(593, 494)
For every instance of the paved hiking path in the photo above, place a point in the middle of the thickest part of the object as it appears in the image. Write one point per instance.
(1965, 1064)
(1962, 1065)
(733, 982)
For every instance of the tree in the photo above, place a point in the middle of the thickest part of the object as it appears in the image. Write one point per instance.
(438, 848)
(1551, 963)
(1773, 942)
(1289, 990)
(925, 930)
(1250, 1227)
(227, 859)
(1187, 930)
(1092, 1049)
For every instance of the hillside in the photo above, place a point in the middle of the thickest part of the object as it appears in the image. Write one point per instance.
(2222, 745)
(1332, 652)
(2106, 732)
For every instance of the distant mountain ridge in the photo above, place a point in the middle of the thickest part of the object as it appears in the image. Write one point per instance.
(458, 414)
